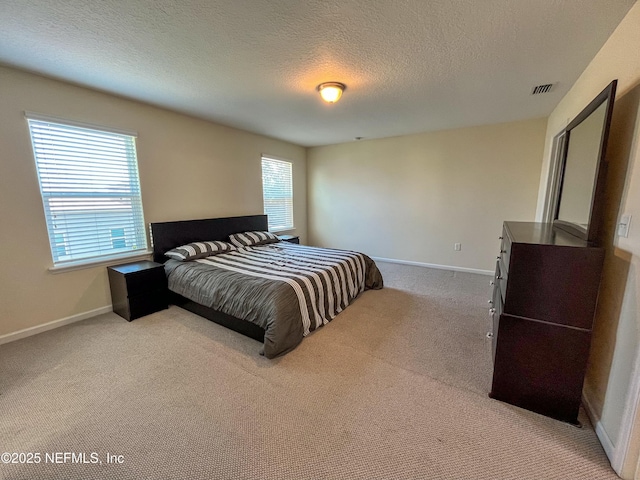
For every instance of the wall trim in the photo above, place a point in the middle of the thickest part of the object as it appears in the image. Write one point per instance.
(27, 332)
(628, 420)
(603, 436)
(434, 265)
(618, 451)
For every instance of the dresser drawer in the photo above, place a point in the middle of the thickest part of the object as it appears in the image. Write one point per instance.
(505, 250)
(548, 283)
(500, 280)
(497, 311)
(540, 366)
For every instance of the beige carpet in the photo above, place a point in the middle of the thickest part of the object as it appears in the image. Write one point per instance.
(394, 388)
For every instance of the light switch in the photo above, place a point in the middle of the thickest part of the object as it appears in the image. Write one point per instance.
(623, 226)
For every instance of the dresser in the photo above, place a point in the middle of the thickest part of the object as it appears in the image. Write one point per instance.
(544, 298)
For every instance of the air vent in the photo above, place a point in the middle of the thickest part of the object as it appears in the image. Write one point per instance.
(542, 89)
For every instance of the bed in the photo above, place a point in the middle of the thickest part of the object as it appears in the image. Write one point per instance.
(274, 292)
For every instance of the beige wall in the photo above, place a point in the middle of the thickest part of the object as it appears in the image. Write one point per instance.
(189, 168)
(616, 339)
(412, 197)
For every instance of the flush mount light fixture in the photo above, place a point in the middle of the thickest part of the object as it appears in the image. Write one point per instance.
(331, 91)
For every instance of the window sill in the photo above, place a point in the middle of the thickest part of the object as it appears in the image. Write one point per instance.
(281, 230)
(112, 260)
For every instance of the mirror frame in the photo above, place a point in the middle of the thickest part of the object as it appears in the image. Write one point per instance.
(596, 209)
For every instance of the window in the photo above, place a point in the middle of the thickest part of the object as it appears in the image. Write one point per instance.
(277, 192)
(58, 245)
(90, 191)
(118, 239)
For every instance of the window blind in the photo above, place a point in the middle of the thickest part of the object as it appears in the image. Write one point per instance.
(277, 192)
(90, 191)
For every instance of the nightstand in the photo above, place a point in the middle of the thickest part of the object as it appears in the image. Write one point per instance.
(138, 289)
(289, 238)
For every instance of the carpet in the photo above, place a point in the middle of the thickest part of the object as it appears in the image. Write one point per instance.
(395, 387)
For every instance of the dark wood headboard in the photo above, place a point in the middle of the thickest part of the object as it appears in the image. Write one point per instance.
(168, 235)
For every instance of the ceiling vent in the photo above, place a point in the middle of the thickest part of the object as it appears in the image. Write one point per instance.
(542, 89)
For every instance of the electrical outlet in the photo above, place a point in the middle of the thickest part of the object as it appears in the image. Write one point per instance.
(457, 247)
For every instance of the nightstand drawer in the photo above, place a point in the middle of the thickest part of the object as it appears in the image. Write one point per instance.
(145, 280)
(150, 302)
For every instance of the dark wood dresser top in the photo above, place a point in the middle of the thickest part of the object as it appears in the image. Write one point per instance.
(542, 234)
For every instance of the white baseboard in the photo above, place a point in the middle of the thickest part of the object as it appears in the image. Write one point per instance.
(433, 265)
(607, 444)
(623, 455)
(27, 332)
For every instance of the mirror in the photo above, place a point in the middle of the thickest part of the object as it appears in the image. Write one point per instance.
(583, 168)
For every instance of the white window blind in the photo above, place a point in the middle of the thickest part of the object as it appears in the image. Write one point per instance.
(277, 192)
(90, 191)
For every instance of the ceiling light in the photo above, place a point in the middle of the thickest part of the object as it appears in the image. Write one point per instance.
(331, 91)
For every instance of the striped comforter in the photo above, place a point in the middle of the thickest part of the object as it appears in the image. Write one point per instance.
(289, 290)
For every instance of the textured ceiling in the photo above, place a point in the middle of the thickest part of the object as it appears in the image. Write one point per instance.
(409, 65)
